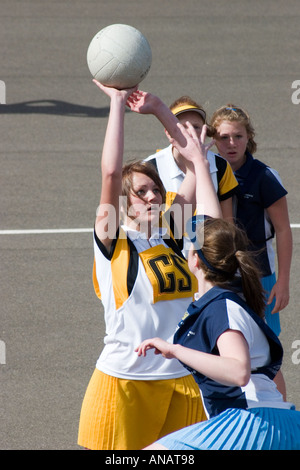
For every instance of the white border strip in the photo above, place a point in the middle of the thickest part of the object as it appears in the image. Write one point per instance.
(64, 230)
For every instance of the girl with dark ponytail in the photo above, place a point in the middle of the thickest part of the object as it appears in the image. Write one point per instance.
(226, 247)
(230, 350)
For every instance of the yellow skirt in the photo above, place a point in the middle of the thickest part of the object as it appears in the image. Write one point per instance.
(120, 414)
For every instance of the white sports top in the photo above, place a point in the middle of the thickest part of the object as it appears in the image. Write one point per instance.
(141, 314)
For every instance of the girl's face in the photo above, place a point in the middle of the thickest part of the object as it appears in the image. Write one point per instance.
(145, 201)
(231, 142)
(194, 119)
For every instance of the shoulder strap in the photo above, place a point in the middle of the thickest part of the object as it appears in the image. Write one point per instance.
(124, 266)
(176, 245)
(153, 162)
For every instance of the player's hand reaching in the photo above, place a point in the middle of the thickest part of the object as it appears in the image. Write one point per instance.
(115, 92)
(194, 146)
(143, 102)
(159, 345)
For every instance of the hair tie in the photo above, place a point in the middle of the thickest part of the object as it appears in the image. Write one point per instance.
(191, 227)
(208, 265)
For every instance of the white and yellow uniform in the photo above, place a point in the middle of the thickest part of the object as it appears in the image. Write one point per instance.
(145, 287)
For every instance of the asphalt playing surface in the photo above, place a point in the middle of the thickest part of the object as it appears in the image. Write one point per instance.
(52, 128)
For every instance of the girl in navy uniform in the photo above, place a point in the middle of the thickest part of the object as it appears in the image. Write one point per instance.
(261, 208)
(228, 347)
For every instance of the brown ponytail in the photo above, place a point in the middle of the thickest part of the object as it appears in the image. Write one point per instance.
(225, 247)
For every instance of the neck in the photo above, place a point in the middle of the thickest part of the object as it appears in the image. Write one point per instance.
(179, 159)
(203, 285)
(145, 227)
(238, 165)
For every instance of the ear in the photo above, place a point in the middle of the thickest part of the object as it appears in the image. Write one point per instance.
(194, 260)
(168, 135)
(197, 260)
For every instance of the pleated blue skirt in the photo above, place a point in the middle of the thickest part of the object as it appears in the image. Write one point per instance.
(272, 319)
(236, 429)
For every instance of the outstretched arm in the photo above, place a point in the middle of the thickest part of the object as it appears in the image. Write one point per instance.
(107, 220)
(142, 102)
(194, 150)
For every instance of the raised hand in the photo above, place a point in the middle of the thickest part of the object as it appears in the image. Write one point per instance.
(111, 92)
(194, 147)
(143, 102)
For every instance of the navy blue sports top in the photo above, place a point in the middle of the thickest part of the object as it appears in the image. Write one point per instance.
(206, 319)
(259, 188)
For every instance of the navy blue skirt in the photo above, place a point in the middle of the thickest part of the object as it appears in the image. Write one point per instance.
(236, 429)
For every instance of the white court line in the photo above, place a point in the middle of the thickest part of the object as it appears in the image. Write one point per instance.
(41, 231)
(64, 230)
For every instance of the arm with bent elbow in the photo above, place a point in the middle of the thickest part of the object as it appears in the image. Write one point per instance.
(232, 367)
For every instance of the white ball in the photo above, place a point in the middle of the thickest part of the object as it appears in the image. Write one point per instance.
(119, 56)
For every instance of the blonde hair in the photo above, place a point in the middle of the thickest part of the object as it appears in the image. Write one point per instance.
(225, 248)
(232, 113)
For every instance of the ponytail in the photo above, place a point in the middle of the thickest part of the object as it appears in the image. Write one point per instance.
(225, 255)
(251, 283)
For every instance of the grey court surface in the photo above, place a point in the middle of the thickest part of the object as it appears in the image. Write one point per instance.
(52, 128)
